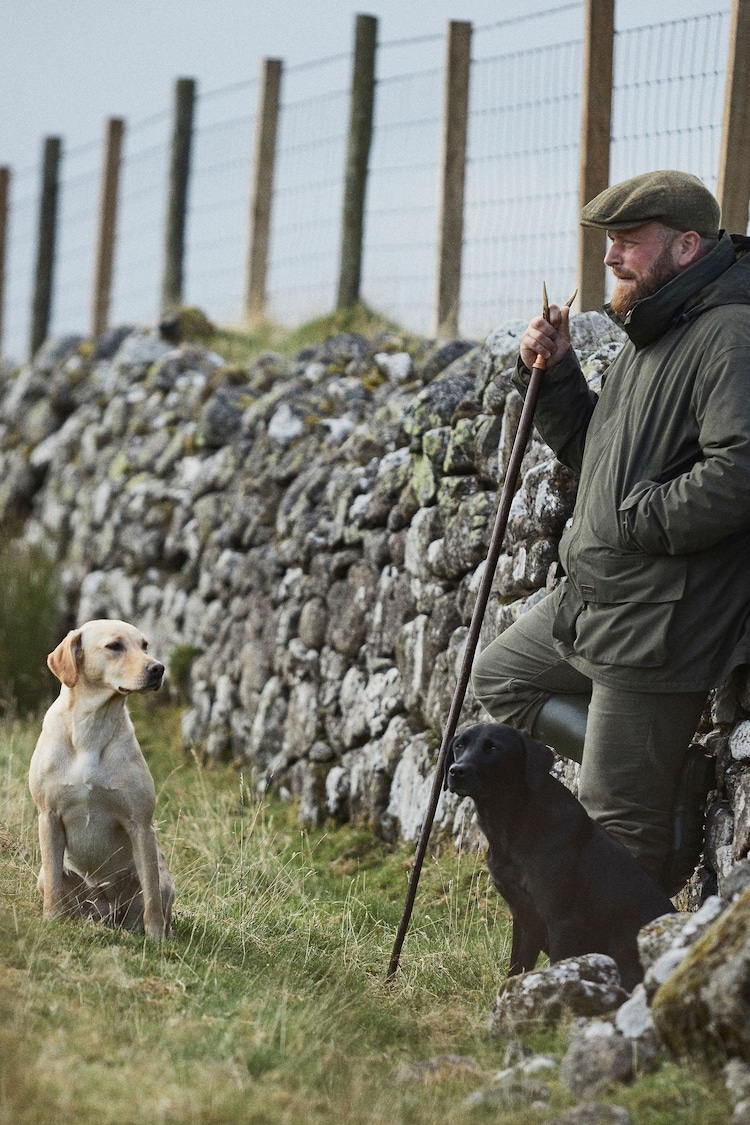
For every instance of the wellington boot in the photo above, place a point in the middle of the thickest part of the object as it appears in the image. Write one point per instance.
(695, 781)
(561, 724)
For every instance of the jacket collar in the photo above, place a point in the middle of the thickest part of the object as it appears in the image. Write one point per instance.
(678, 299)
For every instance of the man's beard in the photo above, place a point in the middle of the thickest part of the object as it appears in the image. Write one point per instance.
(635, 287)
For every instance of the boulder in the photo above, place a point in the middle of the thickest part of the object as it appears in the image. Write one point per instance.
(584, 986)
(702, 1007)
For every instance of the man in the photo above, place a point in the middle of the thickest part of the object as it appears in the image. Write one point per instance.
(614, 666)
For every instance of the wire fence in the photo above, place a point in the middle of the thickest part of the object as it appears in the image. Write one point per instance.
(522, 175)
(141, 215)
(309, 194)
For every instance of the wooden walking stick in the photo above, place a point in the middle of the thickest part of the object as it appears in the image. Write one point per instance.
(496, 541)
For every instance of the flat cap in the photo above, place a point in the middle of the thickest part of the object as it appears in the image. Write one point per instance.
(676, 199)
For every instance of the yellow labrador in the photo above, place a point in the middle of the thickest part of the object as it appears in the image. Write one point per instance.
(93, 789)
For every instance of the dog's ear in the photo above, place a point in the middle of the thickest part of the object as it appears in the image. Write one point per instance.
(539, 760)
(63, 662)
(450, 758)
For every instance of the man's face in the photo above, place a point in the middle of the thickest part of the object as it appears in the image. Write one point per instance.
(642, 259)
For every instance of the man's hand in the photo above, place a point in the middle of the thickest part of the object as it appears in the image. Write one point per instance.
(548, 338)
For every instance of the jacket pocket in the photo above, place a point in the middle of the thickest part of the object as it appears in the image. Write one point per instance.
(628, 602)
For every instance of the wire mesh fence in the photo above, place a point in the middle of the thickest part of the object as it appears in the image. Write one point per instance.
(399, 258)
(135, 296)
(308, 196)
(522, 182)
(217, 216)
(522, 175)
(668, 96)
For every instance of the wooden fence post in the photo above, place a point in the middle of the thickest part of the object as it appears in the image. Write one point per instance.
(734, 163)
(4, 205)
(179, 175)
(358, 152)
(45, 253)
(452, 177)
(596, 122)
(105, 241)
(266, 126)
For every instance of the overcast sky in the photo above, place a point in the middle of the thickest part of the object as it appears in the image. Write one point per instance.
(68, 64)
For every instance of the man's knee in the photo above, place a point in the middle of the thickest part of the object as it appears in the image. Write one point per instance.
(501, 694)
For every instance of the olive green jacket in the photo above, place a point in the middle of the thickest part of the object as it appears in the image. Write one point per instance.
(657, 555)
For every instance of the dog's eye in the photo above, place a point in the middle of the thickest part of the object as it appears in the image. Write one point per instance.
(115, 646)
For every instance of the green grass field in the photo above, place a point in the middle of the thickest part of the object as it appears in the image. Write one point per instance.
(269, 1004)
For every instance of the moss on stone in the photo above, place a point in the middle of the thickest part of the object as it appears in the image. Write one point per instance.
(704, 1007)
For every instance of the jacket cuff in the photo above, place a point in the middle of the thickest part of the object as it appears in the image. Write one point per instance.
(567, 366)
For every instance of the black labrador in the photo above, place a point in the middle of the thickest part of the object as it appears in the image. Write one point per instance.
(571, 887)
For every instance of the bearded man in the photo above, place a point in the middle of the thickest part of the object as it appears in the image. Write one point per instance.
(614, 666)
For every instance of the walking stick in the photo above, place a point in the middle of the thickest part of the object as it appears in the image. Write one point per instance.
(493, 554)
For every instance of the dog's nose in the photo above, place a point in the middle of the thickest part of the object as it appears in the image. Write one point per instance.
(155, 672)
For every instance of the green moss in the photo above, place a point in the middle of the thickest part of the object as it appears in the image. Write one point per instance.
(242, 347)
(372, 379)
(702, 1009)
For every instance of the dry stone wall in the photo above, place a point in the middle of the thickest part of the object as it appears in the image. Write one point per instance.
(308, 535)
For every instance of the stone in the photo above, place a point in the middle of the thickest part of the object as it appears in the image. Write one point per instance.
(17, 484)
(739, 742)
(633, 1020)
(397, 367)
(719, 837)
(590, 331)
(434, 406)
(593, 1113)
(737, 1079)
(586, 986)
(349, 603)
(55, 351)
(440, 356)
(596, 1058)
(140, 349)
(467, 534)
(702, 1007)
(285, 425)
(313, 621)
(510, 1092)
(735, 881)
(317, 527)
(220, 419)
(411, 787)
(664, 943)
(441, 1068)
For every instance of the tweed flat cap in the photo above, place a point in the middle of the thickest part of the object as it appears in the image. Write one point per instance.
(676, 199)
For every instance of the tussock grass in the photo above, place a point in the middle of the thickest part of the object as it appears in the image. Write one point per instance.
(30, 623)
(269, 1005)
(241, 346)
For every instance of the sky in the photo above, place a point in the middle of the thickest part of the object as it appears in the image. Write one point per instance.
(68, 65)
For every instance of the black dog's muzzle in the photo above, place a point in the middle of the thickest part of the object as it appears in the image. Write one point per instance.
(457, 779)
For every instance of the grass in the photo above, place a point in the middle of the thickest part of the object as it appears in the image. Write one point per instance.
(241, 347)
(269, 1004)
(29, 622)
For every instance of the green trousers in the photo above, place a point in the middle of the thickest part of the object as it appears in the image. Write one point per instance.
(635, 742)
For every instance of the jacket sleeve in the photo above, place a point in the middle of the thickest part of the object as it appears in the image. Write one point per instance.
(711, 501)
(564, 408)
